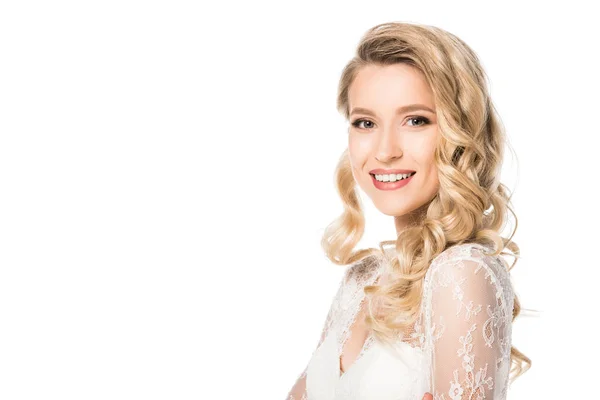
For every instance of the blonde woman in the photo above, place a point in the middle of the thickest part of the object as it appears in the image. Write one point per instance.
(428, 315)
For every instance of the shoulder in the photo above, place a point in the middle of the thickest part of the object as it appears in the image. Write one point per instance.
(364, 269)
(475, 255)
(471, 265)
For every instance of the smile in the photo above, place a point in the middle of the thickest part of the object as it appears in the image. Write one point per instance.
(392, 185)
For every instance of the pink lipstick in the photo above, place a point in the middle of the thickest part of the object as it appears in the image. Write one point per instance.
(392, 185)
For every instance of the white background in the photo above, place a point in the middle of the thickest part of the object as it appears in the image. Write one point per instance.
(166, 173)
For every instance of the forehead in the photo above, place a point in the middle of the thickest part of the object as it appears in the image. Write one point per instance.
(393, 85)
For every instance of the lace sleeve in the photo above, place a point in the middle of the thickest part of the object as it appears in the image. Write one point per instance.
(469, 316)
(298, 391)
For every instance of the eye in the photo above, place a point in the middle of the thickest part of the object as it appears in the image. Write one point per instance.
(357, 122)
(423, 121)
(419, 118)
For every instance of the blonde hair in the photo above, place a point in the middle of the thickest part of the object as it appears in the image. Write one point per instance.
(471, 205)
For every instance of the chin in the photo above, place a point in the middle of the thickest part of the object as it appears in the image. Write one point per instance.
(394, 211)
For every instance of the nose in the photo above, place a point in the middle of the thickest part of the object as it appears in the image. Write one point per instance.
(388, 147)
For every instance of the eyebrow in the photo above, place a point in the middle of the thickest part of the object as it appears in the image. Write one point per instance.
(399, 110)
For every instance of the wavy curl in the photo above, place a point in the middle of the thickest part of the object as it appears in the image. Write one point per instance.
(472, 205)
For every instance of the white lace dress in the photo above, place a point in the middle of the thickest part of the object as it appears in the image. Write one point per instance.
(459, 349)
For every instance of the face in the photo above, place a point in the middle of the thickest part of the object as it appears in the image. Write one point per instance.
(393, 130)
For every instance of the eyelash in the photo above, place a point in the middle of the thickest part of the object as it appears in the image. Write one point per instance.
(424, 119)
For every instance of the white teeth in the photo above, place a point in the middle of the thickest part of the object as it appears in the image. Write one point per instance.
(393, 177)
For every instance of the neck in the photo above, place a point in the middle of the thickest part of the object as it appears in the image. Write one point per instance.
(412, 218)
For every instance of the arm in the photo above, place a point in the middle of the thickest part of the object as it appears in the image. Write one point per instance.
(298, 391)
(470, 314)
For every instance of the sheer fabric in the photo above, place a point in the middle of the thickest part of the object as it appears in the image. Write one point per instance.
(458, 349)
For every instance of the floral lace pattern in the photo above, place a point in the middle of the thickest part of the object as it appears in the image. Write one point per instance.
(462, 337)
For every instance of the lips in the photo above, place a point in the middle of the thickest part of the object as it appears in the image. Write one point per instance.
(392, 185)
(380, 171)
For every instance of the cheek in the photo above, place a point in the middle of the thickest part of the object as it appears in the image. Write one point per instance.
(432, 170)
(354, 162)
(355, 144)
(425, 155)
(433, 179)
(425, 151)
(356, 153)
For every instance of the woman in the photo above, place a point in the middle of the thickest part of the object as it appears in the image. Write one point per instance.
(428, 315)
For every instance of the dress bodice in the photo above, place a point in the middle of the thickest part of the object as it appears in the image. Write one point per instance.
(460, 345)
